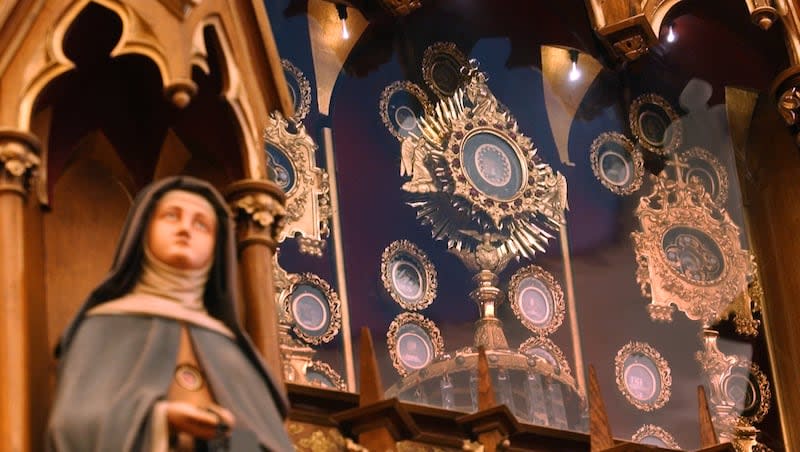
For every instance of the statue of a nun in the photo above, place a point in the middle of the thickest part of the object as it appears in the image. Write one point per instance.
(155, 359)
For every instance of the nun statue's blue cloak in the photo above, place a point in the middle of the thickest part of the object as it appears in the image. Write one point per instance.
(114, 368)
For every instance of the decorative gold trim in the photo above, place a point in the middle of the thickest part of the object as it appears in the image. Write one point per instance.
(562, 365)
(557, 308)
(674, 204)
(675, 125)
(722, 175)
(303, 100)
(437, 51)
(661, 364)
(427, 325)
(330, 296)
(389, 91)
(636, 168)
(424, 264)
(308, 200)
(655, 432)
(520, 222)
(326, 370)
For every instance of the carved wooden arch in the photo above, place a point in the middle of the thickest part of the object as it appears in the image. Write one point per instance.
(656, 11)
(136, 39)
(232, 87)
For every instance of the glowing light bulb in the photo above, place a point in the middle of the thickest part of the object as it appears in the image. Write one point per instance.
(574, 73)
(671, 36)
(345, 32)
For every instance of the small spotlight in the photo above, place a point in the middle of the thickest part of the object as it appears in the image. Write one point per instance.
(574, 72)
(342, 10)
(671, 36)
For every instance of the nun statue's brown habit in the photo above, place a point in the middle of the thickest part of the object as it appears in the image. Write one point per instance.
(120, 356)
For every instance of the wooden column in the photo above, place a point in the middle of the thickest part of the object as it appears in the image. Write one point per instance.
(258, 207)
(18, 158)
(770, 179)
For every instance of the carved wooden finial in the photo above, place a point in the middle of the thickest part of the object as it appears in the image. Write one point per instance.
(599, 429)
(485, 390)
(708, 437)
(371, 386)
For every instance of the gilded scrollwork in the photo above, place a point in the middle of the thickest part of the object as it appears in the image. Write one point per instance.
(706, 170)
(487, 174)
(654, 432)
(300, 91)
(408, 276)
(314, 323)
(643, 376)
(537, 299)
(324, 369)
(739, 392)
(402, 119)
(419, 351)
(689, 253)
(291, 159)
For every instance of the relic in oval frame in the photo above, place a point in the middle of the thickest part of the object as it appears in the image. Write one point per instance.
(321, 374)
(643, 376)
(443, 68)
(537, 299)
(616, 163)
(408, 275)
(654, 435)
(655, 124)
(313, 307)
(703, 168)
(414, 342)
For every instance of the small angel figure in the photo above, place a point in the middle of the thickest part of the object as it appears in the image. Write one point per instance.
(412, 163)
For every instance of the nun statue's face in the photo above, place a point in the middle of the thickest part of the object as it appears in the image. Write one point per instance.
(182, 230)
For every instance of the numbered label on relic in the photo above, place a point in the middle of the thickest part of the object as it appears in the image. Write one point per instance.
(643, 376)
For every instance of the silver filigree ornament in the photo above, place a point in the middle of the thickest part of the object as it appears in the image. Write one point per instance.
(482, 175)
